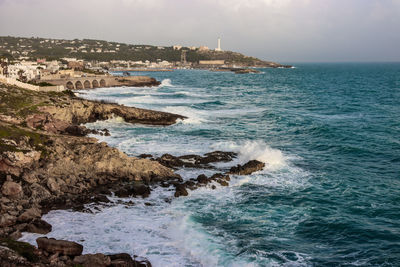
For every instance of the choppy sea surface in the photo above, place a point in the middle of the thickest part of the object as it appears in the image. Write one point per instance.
(329, 195)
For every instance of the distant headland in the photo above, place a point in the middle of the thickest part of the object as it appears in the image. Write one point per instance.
(98, 55)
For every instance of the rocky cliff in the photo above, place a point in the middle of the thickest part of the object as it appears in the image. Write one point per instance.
(46, 160)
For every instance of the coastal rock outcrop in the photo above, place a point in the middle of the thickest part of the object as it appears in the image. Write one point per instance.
(93, 260)
(62, 247)
(77, 111)
(195, 161)
(248, 168)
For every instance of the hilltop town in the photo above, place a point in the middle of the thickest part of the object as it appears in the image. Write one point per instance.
(37, 57)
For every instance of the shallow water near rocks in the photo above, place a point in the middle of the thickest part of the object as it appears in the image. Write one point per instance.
(329, 195)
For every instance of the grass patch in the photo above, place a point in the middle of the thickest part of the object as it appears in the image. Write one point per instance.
(36, 140)
(23, 249)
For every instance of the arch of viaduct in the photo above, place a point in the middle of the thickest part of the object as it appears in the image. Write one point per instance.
(85, 82)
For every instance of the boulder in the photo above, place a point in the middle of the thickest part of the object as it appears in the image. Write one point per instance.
(202, 179)
(135, 189)
(248, 168)
(76, 130)
(7, 220)
(180, 190)
(93, 260)
(64, 247)
(125, 260)
(29, 215)
(38, 226)
(11, 189)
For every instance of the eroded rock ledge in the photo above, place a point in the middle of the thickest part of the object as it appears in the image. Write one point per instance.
(47, 162)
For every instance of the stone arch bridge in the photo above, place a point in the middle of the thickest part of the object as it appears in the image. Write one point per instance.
(85, 82)
(103, 81)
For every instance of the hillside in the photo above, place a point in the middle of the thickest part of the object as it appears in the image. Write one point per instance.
(98, 50)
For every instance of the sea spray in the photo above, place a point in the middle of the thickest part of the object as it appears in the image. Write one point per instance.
(166, 83)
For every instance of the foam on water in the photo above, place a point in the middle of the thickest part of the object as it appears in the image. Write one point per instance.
(259, 150)
(166, 83)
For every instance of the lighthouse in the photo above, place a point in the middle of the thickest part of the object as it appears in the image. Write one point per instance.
(219, 45)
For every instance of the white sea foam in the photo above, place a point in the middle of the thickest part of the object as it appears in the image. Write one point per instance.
(194, 116)
(166, 83)
(259, 150)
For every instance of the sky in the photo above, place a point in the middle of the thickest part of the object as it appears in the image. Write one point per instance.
(278, 30)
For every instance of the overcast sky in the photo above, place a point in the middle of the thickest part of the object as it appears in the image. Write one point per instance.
(280, 30)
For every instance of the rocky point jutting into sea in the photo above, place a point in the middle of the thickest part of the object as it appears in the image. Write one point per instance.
(48, 162)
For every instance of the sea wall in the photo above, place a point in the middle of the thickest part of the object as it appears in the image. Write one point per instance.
(11, 81)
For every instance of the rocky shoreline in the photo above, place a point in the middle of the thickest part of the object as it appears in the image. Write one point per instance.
(47, 162)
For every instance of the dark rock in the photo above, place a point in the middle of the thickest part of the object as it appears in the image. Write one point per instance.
(145, 156)
(135, 189)
(63, 247)
(100, 198)
(171, 161)
(217, 156)
(202, 179)
(248, 168)
(106, 132)
(77, 130)
(38, 226)
(195, 161)
(222, 182)
(180, 190)
(191, 185)
(125, 260)
(93, 260)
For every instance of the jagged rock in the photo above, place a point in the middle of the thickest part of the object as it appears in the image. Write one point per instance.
(7, 220)
(136, 189)
(217, 156)
(29, 215)
(248, 168)
(93, 260)
(125, 260)
(172, 162)
(196, 161)
(63, 247)
(38, 226)
(11, 189)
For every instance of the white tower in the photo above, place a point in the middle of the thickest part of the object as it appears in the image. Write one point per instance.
(219, 45)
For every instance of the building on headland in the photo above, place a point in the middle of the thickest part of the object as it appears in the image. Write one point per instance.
(211, 62)
(177, 47)
(203, 48)
(76, 65)
(24, 71)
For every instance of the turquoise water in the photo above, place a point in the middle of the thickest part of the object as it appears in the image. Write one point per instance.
(329, 196)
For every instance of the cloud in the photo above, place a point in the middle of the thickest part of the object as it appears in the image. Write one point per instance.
(282, 30)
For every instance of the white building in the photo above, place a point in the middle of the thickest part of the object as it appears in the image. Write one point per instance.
(30, 71)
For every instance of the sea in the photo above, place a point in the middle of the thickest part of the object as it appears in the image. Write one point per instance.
(329, 134)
